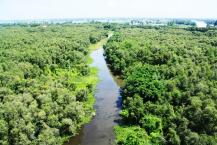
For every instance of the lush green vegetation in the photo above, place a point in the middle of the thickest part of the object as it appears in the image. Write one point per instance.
(46, 85)
(170, 91)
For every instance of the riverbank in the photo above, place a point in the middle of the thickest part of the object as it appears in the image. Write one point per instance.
(100, 43)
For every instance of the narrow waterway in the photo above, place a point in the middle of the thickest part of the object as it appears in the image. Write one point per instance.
(100, 130)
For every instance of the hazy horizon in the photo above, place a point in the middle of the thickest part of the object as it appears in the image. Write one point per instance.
(95, 18)
(74, 9)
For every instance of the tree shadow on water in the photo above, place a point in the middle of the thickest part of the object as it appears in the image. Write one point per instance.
(118, 119)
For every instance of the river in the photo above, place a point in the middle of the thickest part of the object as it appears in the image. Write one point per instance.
(108, 103)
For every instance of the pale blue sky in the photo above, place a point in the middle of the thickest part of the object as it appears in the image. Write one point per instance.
(42, 9)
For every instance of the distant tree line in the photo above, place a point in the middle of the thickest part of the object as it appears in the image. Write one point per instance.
(181, 22)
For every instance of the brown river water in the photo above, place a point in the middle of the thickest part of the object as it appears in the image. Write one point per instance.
(108, 104)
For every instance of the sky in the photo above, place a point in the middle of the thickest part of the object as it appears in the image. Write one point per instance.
(44, 9)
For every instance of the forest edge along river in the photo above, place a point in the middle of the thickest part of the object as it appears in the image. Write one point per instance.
(108, 103)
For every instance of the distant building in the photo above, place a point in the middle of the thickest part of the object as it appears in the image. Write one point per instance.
(200, 24)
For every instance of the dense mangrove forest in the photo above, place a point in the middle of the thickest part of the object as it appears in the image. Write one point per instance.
(46, 83)
(107, 83)
(170, 84)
